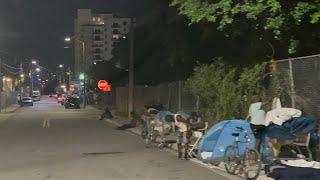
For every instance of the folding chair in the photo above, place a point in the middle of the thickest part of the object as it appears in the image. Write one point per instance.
(303, 140)
(198, 135)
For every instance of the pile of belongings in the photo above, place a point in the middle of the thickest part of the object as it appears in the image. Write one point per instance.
(286, 123)
(294, 169)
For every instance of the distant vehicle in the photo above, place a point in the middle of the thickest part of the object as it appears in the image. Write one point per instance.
(72, 102)
(62, 98)
(27, 101)
(36, 93)
(36, 96)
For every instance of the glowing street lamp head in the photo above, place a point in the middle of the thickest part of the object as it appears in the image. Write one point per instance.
(38, 69)
(34, 62)
(67, 39)
(60, 65)
(22, 75)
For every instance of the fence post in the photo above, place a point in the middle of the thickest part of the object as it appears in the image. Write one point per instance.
(169, 96)
(179, 95)
(292, 87)
(198, 104)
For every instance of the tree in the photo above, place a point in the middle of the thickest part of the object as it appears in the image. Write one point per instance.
(282, 18)
(224, 89)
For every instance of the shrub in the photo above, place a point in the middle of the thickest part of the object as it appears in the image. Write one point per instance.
(224, 90)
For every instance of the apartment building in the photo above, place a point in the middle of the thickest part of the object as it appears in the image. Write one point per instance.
(95, 36)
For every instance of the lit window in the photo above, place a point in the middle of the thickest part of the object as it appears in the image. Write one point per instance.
(116, 36)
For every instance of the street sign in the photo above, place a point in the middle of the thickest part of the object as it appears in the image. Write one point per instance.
(104, 86)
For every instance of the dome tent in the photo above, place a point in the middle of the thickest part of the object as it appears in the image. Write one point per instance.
(212, 147)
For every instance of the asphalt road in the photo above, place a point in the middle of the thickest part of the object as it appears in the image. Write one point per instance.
(79, 147)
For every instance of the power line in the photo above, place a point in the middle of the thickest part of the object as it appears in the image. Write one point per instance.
(9, 66)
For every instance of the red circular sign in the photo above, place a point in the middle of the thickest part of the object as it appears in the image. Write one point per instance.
(104, 86)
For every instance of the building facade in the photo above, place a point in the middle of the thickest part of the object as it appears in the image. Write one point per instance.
(95, 36)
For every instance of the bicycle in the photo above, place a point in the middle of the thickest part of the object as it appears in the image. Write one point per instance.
(151, 134)
(247, 162)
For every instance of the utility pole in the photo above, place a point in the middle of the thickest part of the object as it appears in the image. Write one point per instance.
(1, 84)
(131, 68)
(21, 73)
(31, 80)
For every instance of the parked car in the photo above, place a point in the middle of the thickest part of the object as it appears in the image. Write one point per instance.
(27, 101)
(72, 102)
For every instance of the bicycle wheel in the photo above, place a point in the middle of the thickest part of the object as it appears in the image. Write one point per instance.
(231, 159)
(252, 164)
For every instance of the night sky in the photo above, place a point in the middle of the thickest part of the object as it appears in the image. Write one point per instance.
(36, 28)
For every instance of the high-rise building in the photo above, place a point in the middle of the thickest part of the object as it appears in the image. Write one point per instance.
(96, 34)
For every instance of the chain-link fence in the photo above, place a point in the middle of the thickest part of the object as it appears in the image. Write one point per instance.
(299, 81)
(173, 96)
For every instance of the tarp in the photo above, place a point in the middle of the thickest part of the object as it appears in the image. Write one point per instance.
(291, 128)
(212, 146)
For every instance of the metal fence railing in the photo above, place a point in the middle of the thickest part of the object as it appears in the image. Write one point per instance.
(299, 81)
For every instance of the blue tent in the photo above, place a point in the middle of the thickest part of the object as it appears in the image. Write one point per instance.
(212, 147)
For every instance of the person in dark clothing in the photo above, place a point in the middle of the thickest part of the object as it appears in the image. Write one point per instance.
(131, 124)
(106, 114)
(195, 121)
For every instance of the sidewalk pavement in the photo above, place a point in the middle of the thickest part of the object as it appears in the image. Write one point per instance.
(10, 109)
(118, 121)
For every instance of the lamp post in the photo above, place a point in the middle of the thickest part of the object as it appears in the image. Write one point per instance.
(69, 39)
(83, 78)
(61, 78)
(131, 69)
(31, 78)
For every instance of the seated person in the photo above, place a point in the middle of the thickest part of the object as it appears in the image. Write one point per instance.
(131, 124)
(106, 114)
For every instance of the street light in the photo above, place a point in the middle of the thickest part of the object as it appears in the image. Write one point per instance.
(34, 62)
(67, 39)
(82, 77)
(22, 75)
(38, 69)
(60, 65)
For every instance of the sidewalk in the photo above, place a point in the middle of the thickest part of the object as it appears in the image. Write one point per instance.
(10, 109)
(118, 121)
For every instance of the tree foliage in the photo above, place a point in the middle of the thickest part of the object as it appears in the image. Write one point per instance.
(225, 89)
(268, 14)
(283, 18)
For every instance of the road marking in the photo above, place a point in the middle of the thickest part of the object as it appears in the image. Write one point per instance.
(46, 121)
